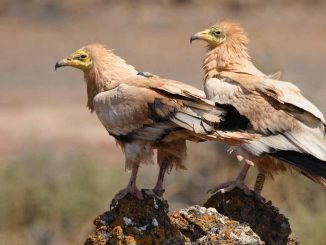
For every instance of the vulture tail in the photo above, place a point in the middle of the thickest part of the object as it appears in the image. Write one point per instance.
(198, 118)
(310, 166)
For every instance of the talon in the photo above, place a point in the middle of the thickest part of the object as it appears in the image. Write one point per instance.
(159, 191)
(138, 194)
(260, 197)
(229, 186)
(113, 204)
(129, 190)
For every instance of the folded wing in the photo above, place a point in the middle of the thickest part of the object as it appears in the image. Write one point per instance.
(293, 128)
(151, 109)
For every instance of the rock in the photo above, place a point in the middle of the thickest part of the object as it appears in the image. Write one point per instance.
(199, 225)
(133, 221)
(263, 218)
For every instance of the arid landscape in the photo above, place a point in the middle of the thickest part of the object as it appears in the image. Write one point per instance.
(59, 168)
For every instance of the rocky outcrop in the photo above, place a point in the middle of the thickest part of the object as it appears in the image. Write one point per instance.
(263, 218)
(148, 221)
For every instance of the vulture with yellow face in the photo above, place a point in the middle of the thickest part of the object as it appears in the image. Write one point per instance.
(144, 113)
(292, 129)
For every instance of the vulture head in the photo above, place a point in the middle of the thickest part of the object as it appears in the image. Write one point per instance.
(80, 59)
(224, 32)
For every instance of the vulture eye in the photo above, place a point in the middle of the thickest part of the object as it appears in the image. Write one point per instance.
(80, 57)
(217, 33)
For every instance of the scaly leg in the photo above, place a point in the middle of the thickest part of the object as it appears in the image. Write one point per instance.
(131, 187)
(238, 182)
(158, 189)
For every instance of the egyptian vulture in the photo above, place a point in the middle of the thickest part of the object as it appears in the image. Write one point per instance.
(144, 113)
(292, 128)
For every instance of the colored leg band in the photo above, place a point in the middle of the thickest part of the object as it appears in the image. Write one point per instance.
(260, 180)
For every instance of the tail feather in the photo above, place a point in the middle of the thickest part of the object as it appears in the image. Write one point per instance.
(198, 117)
(311, 166)
(317, 179)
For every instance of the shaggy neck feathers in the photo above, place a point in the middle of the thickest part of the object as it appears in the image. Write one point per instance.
(106, 72)
(227, 57)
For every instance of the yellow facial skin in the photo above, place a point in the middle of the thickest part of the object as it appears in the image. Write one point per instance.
(79, 59)
(214, 36)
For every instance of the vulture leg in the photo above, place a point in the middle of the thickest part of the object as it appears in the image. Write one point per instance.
(158, 189)
(237, 183)
(169, 155)
(260, 180)
(131, 187)
(164, 162)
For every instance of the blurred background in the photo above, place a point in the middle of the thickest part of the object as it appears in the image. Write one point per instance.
(58, 166)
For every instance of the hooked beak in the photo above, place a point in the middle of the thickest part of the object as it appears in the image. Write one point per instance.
(63, 62)
(203, 35)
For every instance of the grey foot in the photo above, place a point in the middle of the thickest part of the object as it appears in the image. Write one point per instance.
(129, 189)
(229, 186)
(159, 191)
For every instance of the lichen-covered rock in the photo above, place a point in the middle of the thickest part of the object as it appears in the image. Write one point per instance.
(133, 221)
(200, 225)
(263, 218)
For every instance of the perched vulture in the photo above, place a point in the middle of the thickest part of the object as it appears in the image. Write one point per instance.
(144, 113)
(292, 128)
